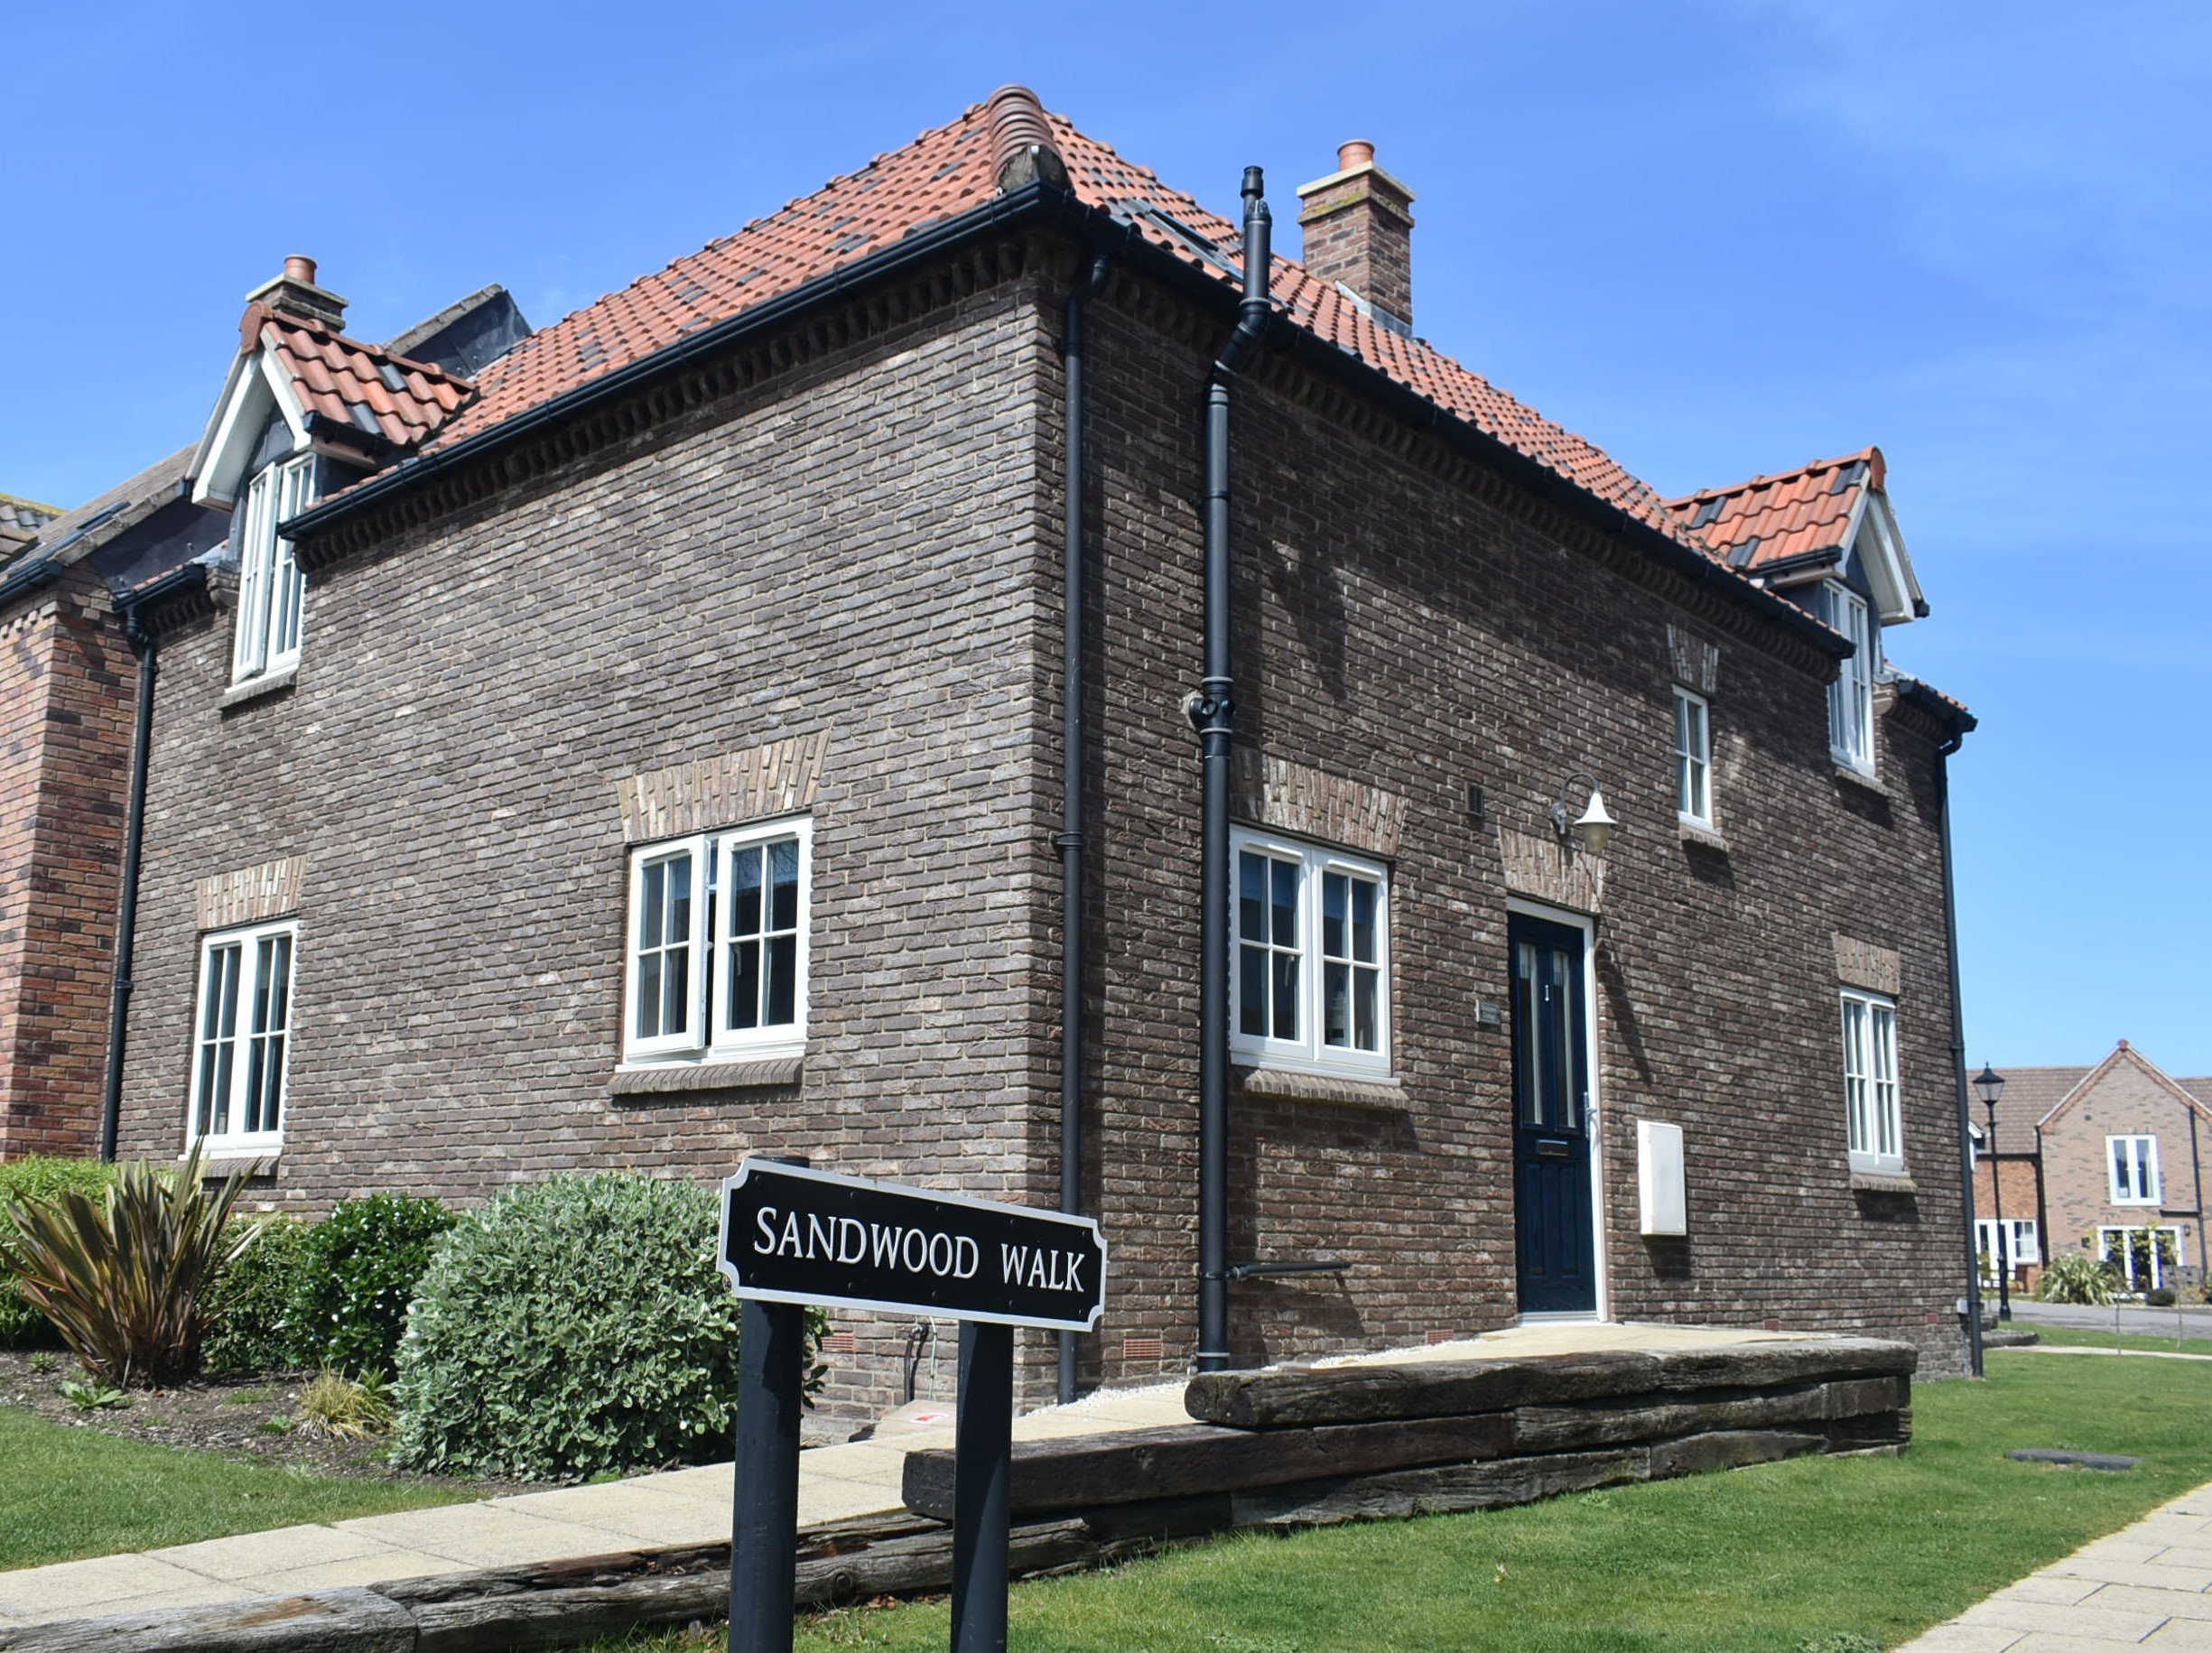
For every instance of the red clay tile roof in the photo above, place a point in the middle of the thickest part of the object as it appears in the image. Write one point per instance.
(1771, 519)
(403, 402)
(944, 172)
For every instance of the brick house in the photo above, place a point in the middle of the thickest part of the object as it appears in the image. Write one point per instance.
(2107, 1159)
(658, 754)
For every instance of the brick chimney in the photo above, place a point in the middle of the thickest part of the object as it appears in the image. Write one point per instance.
(1359, 230)
(294, 293)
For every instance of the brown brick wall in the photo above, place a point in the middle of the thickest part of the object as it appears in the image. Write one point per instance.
(68, 680)
(2019, 1186)
(866, 543)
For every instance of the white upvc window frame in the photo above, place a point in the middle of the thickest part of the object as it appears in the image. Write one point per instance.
(1314, 864)
(1873, 1116)
(1850, 697)
(709, 1030)
(2023, 1242)
(235, 1018)
(2143, 1183)
(2113, 1245)
(271, 592)
(1692, 757)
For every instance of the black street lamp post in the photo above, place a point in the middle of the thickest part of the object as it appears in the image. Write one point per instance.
(1989, 1084)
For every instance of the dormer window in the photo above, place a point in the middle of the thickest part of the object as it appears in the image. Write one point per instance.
(1850, 697)
(271, 587)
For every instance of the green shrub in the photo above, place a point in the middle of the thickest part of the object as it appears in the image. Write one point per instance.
(36, 1176)
(2075, 1277)
(362, 1264)
(253, 1325)
(568, 1327)
(2160, 1296)
(124, 1276)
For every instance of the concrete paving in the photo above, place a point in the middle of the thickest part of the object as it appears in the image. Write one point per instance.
(2148, 1586)
(674, 1508)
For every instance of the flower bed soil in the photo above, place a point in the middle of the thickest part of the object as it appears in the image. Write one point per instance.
(255, 1418)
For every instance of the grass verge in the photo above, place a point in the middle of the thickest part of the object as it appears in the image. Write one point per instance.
(72, 1492)
(2140, 1342)
(1818, 1552)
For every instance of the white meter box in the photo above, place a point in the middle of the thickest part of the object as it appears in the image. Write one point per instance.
(1660, 1189)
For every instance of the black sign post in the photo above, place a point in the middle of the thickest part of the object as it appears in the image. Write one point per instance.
(793, 1236)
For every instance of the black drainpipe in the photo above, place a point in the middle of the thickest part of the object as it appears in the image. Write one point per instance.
(1958, 1063)
(126, 906)
(1212, 710)
(1072, 747)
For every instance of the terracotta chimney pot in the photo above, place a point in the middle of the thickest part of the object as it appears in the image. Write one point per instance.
(299, 267)
(1357, 152)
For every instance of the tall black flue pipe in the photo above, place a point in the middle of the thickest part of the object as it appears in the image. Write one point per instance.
(126, 908)
(1072, 750)
(1958, 1061)
(1212, 710)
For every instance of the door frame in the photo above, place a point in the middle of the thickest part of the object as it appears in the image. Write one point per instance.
(1587, 925)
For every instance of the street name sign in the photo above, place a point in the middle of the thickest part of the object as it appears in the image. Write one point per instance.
(794, 1234)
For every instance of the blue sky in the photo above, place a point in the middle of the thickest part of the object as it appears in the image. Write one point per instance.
(1717, 238)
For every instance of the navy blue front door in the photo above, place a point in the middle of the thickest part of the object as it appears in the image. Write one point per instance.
(1551, 1119)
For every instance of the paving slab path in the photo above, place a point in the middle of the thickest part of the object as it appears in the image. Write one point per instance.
(673, 1509)
(2149, 1586)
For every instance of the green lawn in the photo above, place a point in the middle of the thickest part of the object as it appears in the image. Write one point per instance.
(69, 1493)
(2149, 1342)
(1777, 1557)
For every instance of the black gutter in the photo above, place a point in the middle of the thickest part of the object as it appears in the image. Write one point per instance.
(1017, 205)
(1074, 749)
(1212, 710)
(1949, 713)
(1958, 1062)
(127, 907)
(28, 576)
(1042, 202)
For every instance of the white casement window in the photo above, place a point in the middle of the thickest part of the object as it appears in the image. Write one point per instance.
(1693, 758)
(1312, 957)
(717, 941)
(241, 1037)
(1850, 697)
(271, 587)
(2132, 1165)
(1875, 1138)
(2022, 1244)
(2143, 1257)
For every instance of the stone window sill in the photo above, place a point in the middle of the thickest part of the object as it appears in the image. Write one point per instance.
(679, 1077)
(1883, 1182)
(1299, 1084)
(253, 1162)
(1848, 777)
(1701, 836)
(260, 688)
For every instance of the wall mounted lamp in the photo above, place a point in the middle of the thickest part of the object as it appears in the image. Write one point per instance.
(1592, 829)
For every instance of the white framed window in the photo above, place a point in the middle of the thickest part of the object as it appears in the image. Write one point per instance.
(1874, 1135)
(271, 587)
(2131, 1165)
(1692, 757)
(242, 1038)
(2143, 1255)
(1311, 962)
(2023, 1243)
(717, 944)
(1850, 697)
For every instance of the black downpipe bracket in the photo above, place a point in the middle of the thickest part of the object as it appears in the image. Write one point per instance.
(126, 906)
(1212, 709)
(1958, 1063)
(1073, 745)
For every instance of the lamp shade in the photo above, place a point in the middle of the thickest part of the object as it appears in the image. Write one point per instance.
(1594, 827)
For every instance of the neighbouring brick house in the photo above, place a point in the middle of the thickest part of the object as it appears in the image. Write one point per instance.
(68, 686)
(2105, 1159)
(663, 760)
